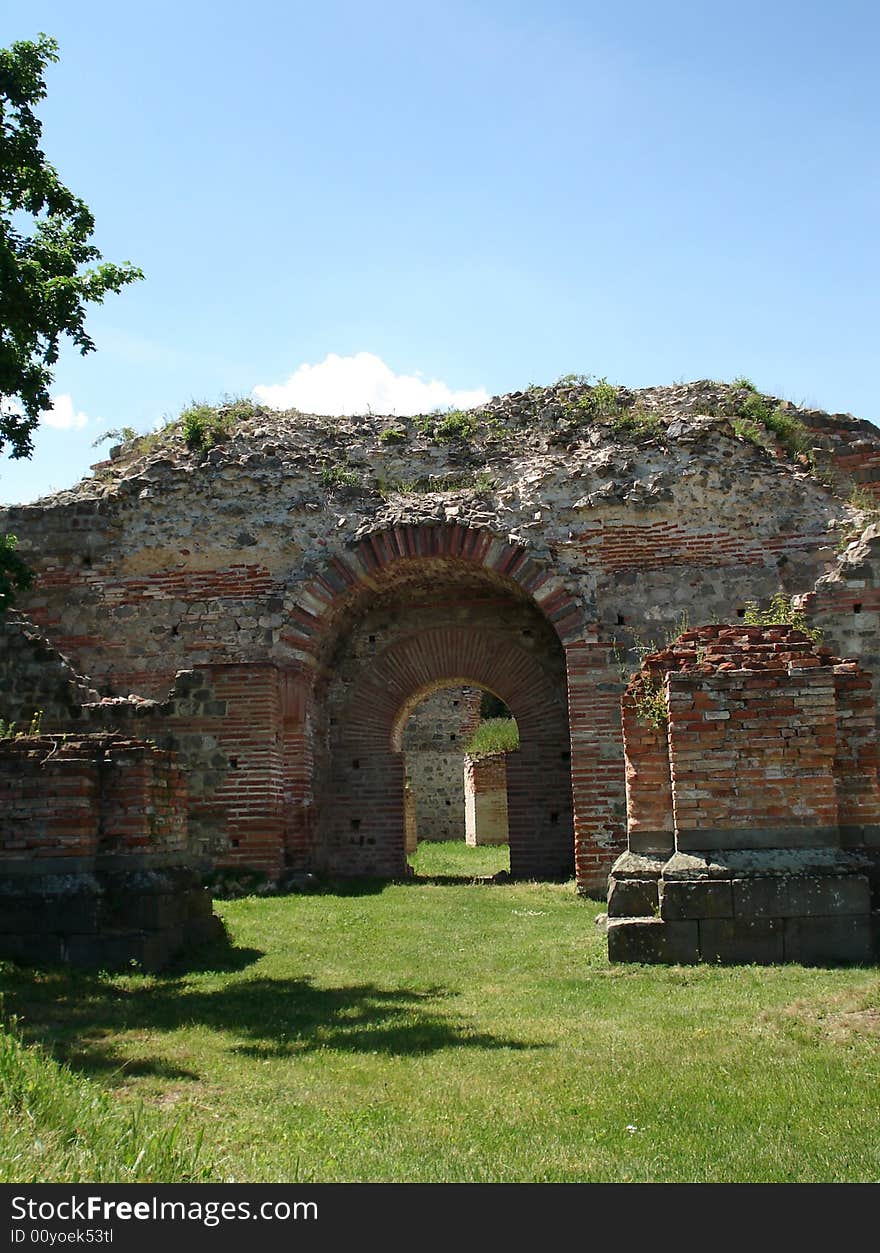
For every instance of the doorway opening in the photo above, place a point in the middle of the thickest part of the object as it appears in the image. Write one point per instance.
(455, 744)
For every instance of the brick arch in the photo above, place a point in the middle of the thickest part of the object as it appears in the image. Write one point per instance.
(347, 578)
(366, 830)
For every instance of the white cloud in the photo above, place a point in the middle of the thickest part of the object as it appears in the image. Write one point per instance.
(362, 383)
(62, 416)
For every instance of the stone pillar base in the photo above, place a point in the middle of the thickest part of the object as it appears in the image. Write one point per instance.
(104, 921)
(742, 906)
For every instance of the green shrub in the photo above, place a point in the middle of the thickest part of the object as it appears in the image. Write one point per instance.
(339, 476)
(496, 735)
(393, 435)
(599, 402)
(638, 424)
(203, 426)
(744, 384)
(790, 431)
(456, 427)
(754, 416)
(746, 429)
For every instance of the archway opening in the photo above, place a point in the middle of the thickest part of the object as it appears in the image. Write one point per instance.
(455, 744)
(427, 625)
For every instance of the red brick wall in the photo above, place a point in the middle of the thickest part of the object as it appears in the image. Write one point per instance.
(143, 802)
(856, 760)
(81, 797)
(752, 752)
(649, 817)
(771, 743)
(597, 775)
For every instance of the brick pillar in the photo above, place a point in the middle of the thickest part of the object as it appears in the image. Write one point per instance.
(485, 795)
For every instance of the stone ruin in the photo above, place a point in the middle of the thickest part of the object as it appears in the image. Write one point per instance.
(272, 610)
(95, 870)
(753, 808)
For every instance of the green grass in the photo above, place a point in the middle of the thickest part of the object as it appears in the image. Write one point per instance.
(494, 735)
(446, 1031)
(54, 1124)
(454, 858)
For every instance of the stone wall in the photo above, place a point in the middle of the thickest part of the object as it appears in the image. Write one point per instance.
(754, 828)
(95, 866)
(35, 677)
(433, 747)
(845, 603)
(311, 572)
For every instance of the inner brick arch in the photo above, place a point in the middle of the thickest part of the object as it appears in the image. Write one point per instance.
(365, 831)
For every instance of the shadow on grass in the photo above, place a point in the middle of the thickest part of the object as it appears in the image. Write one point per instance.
(81, 1017)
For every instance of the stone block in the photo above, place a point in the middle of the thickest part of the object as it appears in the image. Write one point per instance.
(660, 843)
(783, 896)
(153, 911)
(632, 865)
(149, 950)
(696, 838)
(742, 941)
(50, 915)
(652, 940)
(632, 898)
(32, 949)
(829, 941)
(204, 930)
(707, 898)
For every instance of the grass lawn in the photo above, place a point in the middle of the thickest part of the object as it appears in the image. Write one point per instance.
(446, 1030)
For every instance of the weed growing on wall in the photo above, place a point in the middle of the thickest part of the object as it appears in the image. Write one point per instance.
(203, 427)
(393, 435)
(600, 401)
(468, 480)
(339, 476)
(755, 421)
(780, 612)
(638, 424)
(456, 427)
(649, 699)
(862, 500)
(35, 727)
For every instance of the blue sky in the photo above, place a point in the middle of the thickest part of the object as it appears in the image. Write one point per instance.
(325, 198)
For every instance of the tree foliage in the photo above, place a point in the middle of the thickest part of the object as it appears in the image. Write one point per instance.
(45, 279)
(44, 246)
